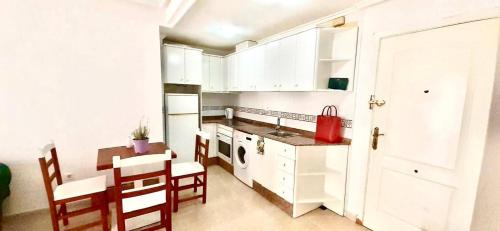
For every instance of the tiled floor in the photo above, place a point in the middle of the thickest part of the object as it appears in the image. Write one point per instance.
(231, 205)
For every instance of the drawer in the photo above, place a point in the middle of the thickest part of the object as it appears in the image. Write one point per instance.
(286, 165)
(287, 151)
(222, 129)
(285, 179)
(286, 193)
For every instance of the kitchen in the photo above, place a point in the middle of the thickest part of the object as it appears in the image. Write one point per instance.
(266, 115)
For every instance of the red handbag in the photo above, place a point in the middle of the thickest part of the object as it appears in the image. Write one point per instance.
(328, 127)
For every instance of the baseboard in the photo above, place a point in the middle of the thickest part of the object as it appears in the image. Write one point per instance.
(359, 222)
(213, 161)
(225, 165)
(273, 198)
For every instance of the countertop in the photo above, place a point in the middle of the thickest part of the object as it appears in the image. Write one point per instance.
(305, 138)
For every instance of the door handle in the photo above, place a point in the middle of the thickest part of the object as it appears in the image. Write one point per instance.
(376, 134)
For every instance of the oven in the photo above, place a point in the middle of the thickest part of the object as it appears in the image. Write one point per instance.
(225, 144)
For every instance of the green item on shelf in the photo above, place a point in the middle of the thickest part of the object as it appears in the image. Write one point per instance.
(338, 83)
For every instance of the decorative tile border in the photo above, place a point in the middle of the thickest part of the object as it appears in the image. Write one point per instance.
(287, 115)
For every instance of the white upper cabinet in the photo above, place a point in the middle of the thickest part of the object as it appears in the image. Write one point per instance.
(213, 74)
(302, 62)
(183, 65)
(174, 57)
(286, 64)
(305, 60)
(232, 72)
(247, 70)
(193, 66)
(217, 82)
(205, 86)
(271, 80)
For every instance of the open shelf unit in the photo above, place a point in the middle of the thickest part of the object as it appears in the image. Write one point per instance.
(320, 178)
(336, 55)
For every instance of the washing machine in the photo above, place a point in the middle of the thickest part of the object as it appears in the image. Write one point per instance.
(243, 149)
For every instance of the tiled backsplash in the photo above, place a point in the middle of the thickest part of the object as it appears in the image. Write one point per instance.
(287, 115)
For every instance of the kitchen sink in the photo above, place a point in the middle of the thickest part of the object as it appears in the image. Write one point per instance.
(283, 134)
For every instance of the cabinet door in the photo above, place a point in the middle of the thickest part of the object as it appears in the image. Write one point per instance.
(286, 63)
(232, 69)
(216, 80)
(193, 66)
(205, 86)
(305, 61)
(174, 57)
(271, 80)
(212, 130)
(246, 70)
(266, 174)
(259, 73)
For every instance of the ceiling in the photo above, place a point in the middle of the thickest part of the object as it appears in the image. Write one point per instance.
(221, 24)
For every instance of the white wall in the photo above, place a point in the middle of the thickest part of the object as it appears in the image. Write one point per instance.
(389, 18)
(81, 72)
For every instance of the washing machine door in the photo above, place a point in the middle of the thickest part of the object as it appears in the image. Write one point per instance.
(242, 156)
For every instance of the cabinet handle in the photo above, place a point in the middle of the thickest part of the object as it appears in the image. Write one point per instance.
(284, 150)
(296, 85)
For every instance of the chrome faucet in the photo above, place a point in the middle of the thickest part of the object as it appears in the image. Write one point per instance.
(278, 124)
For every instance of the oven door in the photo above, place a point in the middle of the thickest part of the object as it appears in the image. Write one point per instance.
(224, 147)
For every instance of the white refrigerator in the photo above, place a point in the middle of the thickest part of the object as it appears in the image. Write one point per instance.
(182, 119)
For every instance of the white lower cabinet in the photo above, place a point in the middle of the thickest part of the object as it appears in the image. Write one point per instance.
(305, 176)
(211, 129)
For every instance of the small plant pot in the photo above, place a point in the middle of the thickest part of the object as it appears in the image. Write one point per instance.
(141, 146)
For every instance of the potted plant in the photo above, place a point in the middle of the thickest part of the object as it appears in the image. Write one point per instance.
(141, 139)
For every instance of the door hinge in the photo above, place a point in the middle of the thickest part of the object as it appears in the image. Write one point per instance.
(373, 101)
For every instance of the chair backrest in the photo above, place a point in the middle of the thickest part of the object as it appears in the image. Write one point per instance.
(47, 160)
(137, 161)
(201, 148)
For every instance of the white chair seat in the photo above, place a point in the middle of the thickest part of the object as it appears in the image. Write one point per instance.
(80, 188)
(182, 169)
(144, 201)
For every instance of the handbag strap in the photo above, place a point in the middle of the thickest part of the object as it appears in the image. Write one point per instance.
(323, 111)
(335, 110)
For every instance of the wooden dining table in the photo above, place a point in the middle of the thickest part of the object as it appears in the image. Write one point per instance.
(105, 155)
(105, 161)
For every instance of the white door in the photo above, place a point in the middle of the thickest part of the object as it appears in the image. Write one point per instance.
(216, 76)
(305, 61)
(437, 85)
(174, 57)
(193, 67)
(205, 86)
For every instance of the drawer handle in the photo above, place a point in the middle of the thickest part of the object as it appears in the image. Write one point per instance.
(284, 165)
(283, 178)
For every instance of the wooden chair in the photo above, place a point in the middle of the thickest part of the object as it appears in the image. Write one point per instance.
(195, 169)
(143, 200)
(91, 188)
